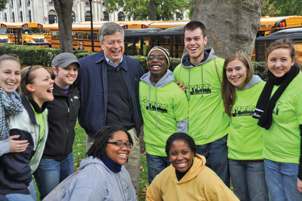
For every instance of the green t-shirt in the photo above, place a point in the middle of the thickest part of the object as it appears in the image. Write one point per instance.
(168, 104)
(207, 120)
(282, 140)
(40, 121)
(245, 137)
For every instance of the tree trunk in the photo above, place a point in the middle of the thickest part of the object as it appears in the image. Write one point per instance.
(64, 9)
(152, 9)
(232, 25)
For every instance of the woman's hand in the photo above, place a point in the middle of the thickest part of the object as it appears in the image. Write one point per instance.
(17, 145)
(299, 185)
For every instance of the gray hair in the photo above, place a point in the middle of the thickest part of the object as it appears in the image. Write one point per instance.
(110, 28)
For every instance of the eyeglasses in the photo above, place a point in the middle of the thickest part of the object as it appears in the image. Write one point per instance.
(120, 144)
(27, 74)
(158, 57)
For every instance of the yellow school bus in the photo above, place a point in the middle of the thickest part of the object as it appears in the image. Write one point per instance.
(272, 24)
(81, 33)
(26, 33)
(4, 34)
(167, 24)
(124, 24)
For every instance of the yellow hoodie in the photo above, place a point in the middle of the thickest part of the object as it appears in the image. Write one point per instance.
(200, 183)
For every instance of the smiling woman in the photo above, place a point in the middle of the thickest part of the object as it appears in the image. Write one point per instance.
(187, 178)
(102, 175)
(31, 125)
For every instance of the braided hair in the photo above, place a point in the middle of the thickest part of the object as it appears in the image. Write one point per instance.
(101, 137)
(183, 137)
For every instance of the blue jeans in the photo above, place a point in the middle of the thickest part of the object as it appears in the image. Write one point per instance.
(51, 172)
(155, 165)
(19, 196)
(281, 179)
(248, 180)
(216, 154)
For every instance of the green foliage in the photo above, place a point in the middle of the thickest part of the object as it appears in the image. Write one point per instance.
(36, 55)
(281, 7)
(140, 10)
(3, 4)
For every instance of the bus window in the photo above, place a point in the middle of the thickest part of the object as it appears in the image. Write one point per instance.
(80, 35)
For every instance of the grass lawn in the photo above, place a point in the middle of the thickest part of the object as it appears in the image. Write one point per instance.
(79, 151)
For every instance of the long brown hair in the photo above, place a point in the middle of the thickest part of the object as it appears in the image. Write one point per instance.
(227, 89)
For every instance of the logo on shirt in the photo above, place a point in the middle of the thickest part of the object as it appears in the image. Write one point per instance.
(243, 111)
(154, 106)
(277, 108)
(200, 89)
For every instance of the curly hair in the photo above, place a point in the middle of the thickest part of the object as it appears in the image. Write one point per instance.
(183, 137)
(101, 137)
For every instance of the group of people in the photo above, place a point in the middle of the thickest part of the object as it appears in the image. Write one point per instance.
(208, 120)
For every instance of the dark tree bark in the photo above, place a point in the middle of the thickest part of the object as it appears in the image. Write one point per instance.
(64, 9)
(152, 9)
(232, 25)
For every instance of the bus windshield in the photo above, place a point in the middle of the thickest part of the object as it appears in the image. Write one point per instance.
(3, 31)
(29, 30)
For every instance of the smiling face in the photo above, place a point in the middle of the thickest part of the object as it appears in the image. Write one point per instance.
(115, 153)
(157, 65)
(195, 44)
(10, 76)
(114, 46)
(41, 86)
(181, 156)
(236, 73)
(279, 62)
(66, 76)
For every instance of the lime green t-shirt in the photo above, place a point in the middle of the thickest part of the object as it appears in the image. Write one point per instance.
(245, 137)
(207, 120)
(282, 139)
(161, 111)
(40, 121)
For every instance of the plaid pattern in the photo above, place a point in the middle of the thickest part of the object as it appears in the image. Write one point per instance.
(9, 105)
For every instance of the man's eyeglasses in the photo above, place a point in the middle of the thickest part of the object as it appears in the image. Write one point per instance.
(120, 144)
(158, 57)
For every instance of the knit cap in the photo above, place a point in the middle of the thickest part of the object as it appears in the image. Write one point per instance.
(163, 50)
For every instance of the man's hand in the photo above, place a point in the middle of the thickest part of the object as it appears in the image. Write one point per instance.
(181, 85)
(299, 185)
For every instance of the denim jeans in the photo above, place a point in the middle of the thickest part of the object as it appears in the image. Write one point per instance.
(281, 179)
(248, 180)
(155, 165)
(19, 196)
(216, 154)
(51, 172)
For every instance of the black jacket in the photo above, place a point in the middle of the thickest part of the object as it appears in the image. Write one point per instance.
(62, 118)
(15, 169)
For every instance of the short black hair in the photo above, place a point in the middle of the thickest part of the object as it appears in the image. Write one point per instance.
(101, 137)
(192, 25)
(180, 136)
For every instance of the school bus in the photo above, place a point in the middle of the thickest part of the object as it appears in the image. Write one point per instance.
(167, 24)
(81, 32)
(124, 24)
(26, 33)
(262, 42)
(272, 24)
(4, 35)
(140, 41)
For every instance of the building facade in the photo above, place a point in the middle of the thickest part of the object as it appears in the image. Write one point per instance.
(43, 11)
